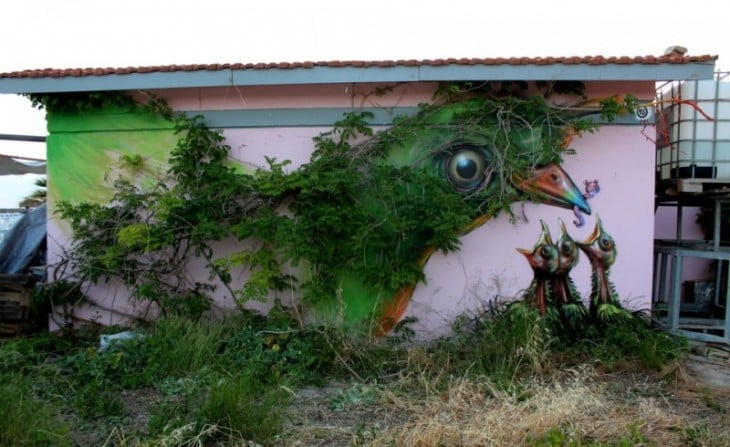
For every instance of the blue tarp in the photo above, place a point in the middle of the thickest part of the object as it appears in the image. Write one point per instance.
(21, 244)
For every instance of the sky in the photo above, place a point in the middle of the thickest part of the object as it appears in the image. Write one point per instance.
(93, 33)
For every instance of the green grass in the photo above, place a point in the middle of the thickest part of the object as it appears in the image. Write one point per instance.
(240, 404)
(26, 419)
(565, 438)
(630, 342)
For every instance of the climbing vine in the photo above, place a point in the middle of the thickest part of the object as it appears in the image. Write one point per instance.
(367, 205)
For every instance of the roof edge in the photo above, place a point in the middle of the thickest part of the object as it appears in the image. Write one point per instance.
(599, 68)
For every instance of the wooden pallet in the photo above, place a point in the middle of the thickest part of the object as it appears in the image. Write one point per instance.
(15, 293)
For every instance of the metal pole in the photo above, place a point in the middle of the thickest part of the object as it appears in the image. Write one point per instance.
(13, 137)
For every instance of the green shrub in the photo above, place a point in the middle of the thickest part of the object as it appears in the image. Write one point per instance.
(277, 349)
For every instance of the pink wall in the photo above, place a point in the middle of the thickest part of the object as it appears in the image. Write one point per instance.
(299, 96)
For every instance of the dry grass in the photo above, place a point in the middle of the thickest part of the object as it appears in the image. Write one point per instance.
(473, 413)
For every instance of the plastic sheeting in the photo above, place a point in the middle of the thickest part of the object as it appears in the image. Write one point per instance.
(19, 165)
(7, 222)
(21, 244)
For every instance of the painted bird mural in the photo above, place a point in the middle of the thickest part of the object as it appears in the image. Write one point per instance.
(475, 158)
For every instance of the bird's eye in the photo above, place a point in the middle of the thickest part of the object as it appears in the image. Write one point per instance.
(605, 243)
(545, 252)
(567, 248)
(466, 169)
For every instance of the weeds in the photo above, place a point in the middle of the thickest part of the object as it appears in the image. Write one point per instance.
(704, 435)
(241, 405)
(624, 342)
(711, 402)
(566, 437)
(26, 420)
(359, 394)
(511, 344)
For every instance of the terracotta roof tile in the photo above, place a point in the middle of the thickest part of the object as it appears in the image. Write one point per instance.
(552, 60)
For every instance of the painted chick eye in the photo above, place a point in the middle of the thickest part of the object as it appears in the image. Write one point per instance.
(567, 248)
(605, 243)
(466, 169)
(545, 252)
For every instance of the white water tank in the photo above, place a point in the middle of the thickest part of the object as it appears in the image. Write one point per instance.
(693, 129)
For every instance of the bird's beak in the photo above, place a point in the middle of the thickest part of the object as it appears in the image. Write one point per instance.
(545, 239)
(550, 184)
(597, 231)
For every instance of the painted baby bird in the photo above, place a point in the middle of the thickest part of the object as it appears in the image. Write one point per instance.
(565, 293)
(544, 259)
(600, 249)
